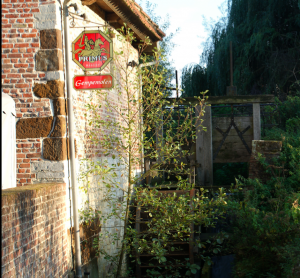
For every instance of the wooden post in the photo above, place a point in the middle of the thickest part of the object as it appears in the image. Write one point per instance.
(256, 121)
(159, 136)
(204, 150)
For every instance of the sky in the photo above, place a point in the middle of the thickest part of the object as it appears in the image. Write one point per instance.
(188, 16)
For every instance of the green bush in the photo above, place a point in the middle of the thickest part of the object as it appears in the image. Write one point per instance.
(266, 224)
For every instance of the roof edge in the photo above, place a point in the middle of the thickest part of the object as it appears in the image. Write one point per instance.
(131, 13)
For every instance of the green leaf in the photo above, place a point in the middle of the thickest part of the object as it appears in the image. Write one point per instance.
(220, 241)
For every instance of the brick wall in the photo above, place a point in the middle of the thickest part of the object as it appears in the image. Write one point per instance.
(34, 235)
(33, 75)
(24, 28)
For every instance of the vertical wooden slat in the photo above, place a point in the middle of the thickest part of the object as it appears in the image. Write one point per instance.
(204, 150)
(256, 122)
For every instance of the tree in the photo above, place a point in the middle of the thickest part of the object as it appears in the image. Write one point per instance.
(265, 38)
(166, 45)
(193, 80)
(127, 136)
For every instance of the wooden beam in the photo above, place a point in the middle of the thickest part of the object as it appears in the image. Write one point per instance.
(227, 100)
(97, 10)
(256, 122)
(204, 149)
(88, 2)
(112, 17)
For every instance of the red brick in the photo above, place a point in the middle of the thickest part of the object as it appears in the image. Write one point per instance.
(26, 15)
(22, 85)
(21, 170)
(12, 35)
(20, 176)
(9, 45)
(11, 15)
(32, 75)
(30, 155)
(7, 66)
(21, 65)
(6, 26)
(6, 6)
(24, 165)
(20, 155)
(15, 55)
(28, 35)
(19, 45)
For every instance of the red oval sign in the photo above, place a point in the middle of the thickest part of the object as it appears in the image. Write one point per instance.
(92, 82)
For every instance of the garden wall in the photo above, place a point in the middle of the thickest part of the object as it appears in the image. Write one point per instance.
(270, 150)
(34, 235)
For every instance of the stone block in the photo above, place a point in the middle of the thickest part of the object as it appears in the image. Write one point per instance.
(50, 175)
(50, 39)
(60, 107)
(270, 150)
(33, 127)
(266, 146)
(49, 60)
(53, 89)
(59, 127)
(55, 149)
(52, 166)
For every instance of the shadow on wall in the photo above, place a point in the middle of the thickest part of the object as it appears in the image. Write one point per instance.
(88, 232)
(34, 237)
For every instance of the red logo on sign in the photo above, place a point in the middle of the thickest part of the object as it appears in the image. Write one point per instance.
(92, 50)
(92, 82)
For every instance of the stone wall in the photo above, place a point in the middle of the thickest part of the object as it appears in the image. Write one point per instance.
(270, 150)
(32, 73)
(34, 235)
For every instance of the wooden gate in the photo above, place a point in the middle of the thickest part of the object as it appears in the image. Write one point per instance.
(227, 139)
